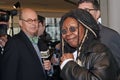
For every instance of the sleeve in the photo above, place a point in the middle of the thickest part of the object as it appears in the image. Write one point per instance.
(114, 46)
(96, 67)
(65, 62)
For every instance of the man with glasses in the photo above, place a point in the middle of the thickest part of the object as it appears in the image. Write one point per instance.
(43, 35)
(22, 58)
(108, 36)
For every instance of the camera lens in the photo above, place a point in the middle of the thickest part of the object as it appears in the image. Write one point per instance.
(3, 29)
(4, 17)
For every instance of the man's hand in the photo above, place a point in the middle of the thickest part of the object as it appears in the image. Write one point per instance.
(47, 65)
(3, 40)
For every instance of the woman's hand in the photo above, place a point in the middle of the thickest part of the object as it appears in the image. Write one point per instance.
(66, 56)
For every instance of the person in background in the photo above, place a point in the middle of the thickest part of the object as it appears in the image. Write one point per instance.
(22, 58)
(55, 60)
(41, 25)
(92, 60)
(4, 22)
(107, 36)
(43, 44)
(42, 33)
(4, 37)
(44, 39)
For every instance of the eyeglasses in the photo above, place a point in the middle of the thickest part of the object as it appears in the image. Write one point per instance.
(71, 29)
(30, 20)
(89, 9)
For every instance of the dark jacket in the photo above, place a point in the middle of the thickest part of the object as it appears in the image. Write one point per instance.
(45, 37)
(20, 60)
(112, 40)
(2, 50)
(97, 64)
(43, 46)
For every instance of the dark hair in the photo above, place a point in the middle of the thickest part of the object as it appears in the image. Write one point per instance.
(96, 3)
(41, 19)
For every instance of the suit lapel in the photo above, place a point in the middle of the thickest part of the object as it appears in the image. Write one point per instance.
(28, 44)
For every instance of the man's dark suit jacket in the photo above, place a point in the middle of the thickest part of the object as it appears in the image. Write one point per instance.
(112, 40)
(20, 60)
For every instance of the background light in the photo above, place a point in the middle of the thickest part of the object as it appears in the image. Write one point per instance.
(16, 5)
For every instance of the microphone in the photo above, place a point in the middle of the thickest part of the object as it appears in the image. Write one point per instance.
(45, 54)
(44, 50)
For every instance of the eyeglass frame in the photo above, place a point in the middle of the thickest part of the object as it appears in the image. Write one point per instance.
(87, 9)
(70, 29)
(30, 20)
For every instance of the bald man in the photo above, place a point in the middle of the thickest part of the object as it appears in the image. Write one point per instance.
(22, 59)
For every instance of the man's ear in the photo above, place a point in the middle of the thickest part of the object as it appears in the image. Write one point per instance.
(98, 15)
(20, 22)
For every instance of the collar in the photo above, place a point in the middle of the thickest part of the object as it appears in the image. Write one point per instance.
(34, 39)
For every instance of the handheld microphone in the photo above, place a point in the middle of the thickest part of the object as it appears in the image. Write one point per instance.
(45, 54)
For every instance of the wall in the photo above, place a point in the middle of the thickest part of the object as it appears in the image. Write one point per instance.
(110, 14)
(114, 14)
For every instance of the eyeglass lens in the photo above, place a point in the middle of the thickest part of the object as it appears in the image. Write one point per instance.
(30, 20)
(89, 9)
(71, 29)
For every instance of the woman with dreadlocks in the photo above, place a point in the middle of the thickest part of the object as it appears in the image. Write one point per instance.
(91, 60)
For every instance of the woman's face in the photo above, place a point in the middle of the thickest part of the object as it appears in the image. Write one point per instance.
(70, 30)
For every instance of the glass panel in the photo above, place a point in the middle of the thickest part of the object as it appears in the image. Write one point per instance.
(52, 27)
